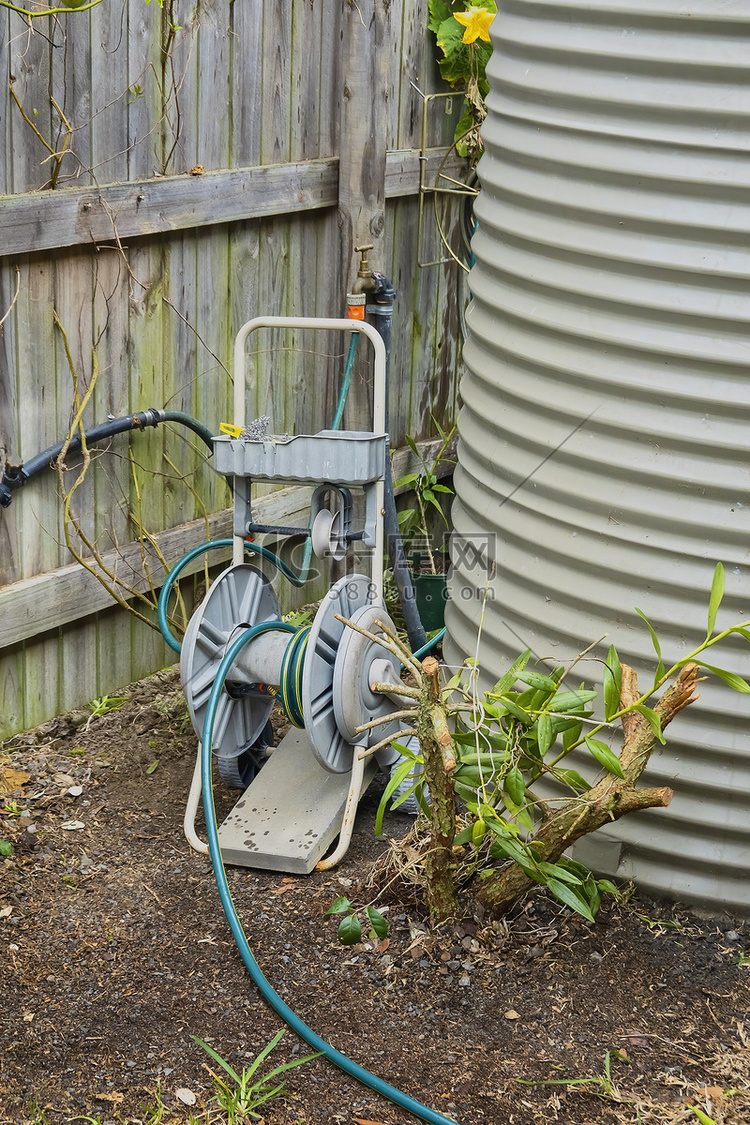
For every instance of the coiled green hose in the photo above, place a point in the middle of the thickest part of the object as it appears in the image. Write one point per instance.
(213, 545)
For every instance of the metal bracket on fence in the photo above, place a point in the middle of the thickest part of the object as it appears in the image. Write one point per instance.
(437, 189)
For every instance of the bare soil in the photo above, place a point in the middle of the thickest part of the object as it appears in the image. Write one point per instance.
(115, 952)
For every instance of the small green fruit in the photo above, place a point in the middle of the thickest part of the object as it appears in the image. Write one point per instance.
(478, 830)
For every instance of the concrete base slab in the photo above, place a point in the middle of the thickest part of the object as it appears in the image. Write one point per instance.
(290, 814)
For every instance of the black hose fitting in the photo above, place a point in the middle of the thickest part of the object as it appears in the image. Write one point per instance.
(380, 298)
(16, 476)
(383, 292)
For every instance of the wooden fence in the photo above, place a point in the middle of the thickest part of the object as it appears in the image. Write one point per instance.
(165, 175)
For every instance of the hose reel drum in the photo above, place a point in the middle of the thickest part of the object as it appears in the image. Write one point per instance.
(334, 671)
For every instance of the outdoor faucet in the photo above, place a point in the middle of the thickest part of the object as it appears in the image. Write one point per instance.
(365, 280)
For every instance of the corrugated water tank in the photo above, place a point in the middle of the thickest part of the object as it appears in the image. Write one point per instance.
(605, 432)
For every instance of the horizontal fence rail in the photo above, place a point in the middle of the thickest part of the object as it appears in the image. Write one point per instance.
(52, 220)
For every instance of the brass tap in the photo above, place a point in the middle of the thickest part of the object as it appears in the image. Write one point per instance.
(365, 281)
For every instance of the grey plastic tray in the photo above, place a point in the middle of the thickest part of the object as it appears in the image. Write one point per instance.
(329, 456)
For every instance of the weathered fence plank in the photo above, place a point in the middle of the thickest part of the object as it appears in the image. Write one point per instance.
(79, 216)
(246, 31)
(10, 280)
(27, 76)
(111, 638)
(6, 166)
(363, 137)
(276, 122)
(69, 217)
(146, 92)
(109, 93)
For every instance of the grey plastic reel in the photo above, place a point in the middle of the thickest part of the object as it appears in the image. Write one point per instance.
(359, 663)
(240, 596)
(338, 667)
(336, 694)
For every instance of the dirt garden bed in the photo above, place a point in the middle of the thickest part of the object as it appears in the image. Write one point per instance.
(115, 952)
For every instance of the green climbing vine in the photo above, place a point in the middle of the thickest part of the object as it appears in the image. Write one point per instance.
(463, 39)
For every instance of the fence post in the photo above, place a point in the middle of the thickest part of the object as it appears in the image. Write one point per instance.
(366, 47)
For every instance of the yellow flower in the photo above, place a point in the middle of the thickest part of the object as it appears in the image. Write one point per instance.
(477, 23)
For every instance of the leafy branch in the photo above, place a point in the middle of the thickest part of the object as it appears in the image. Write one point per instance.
(488, 753)
(462, 35)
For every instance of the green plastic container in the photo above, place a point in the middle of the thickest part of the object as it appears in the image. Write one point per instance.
(430, 591)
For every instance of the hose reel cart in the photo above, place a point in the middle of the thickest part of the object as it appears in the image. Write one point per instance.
(308, 790)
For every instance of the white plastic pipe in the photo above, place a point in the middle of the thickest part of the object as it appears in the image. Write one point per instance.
(350, 812)
(191, 810)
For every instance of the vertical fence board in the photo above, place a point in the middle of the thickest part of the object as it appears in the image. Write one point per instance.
(175, 381)
(145, 111)
(110, 335)
(212, 391)
(270, 362)
(73, 273)
(12, 718)
(6, 69)
(42, 680)
(213, 117)
(38, 512)
(275, 144)
(305, 109)
(211, 400)
(114, 655)
(180, 124)
(329, 95)
(9, 278)
(146, 352)
(78, 665)
(246, 30)
(29, 55)
(71, 85)
(330, 291)
(112, 475)
(110, 92)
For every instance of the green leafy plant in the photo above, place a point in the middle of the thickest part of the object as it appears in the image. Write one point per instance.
(601, 1085)
(424, 483)
(155, 1114)
(350, 926)
(462, 35)
(245, 1093)
(301, 618)
(490, 750)
(104, 706)
(702, 1117)
(658, 925)
(6, 848)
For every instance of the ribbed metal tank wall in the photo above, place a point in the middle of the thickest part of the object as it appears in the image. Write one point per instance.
(606, 422)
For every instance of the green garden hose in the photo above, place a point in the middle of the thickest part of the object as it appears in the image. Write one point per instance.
(346, 383)
(391, 1093)
(213, 545)
(430, 645)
